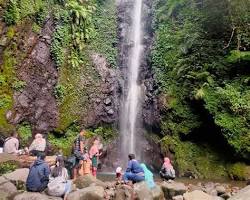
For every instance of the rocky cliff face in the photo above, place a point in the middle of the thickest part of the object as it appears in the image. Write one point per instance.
(36, 103)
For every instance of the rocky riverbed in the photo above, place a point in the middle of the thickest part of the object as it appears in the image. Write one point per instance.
(12, 186)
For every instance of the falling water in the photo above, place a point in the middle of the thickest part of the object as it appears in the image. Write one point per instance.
(130, 107)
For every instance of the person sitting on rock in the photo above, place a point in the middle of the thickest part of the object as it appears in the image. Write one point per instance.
(78, 153)
(38, 145)
(87, 163)
(149, 177)
(167, 171)
(38, 177)
(94, 154)
(59, 185)
(11, 144)
(134, 171)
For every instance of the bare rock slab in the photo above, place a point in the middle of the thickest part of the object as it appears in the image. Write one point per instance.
(88, 193)
(35, 196)
(243, 194)
(18, 175)
(197, 195)
(142, 191)
(173, 189)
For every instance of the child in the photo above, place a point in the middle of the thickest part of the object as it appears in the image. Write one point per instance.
(87, 164)
(118, 172)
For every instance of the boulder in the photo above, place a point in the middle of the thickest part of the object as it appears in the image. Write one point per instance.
(218, 198)
(34, 196)
(123, 192)
(220, 189)
(179, 197)
(4, 195)
(243, 194)
(210, 189)
(173, 189)
(157, 193)
(87, 180)
(142, 191)
(18, 175)
(8, 187)
(88, 193)
(3, 180)
(197, 195)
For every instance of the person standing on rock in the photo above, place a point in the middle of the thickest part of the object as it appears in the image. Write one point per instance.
(11, 144)
(38, 177)
(59, 185)
(94, 154)
(78, 153)
(134, 171)
(87, 163)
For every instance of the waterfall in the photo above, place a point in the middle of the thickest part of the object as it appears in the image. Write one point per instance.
(131, 99)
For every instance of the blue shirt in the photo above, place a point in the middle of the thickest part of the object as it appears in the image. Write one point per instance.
(134, 167)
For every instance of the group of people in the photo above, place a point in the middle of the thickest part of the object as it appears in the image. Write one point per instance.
(136, 172)
(11, 145)
(56, 178)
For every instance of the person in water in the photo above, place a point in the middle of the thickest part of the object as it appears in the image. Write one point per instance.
(149, 177)
(134, 171)
(167, 170)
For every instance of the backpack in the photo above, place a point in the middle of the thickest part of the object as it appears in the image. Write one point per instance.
(170, 173)
(56, 186)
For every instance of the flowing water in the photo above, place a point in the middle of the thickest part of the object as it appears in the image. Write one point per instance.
(130, 104)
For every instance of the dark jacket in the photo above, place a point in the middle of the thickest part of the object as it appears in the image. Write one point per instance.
(134, 167)
(38, 177)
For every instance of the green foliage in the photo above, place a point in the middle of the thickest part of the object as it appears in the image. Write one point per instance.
(104, 41)
(197, 71)
(18, 85)
(107, 133)
(25, 133)
(7, 167)
(202, 161)
(238, 171)
(65, 141)
(12, 13)
(59, 92)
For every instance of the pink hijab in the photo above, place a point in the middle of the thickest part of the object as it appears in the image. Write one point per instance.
(167, 163)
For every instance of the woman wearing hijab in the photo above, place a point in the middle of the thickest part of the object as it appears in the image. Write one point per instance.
(167, 171)
(38, 145)
(148, 176)
(59, 185)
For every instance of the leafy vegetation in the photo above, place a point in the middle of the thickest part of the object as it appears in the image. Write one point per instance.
(25, 134)
(201, 57)
(7, 167)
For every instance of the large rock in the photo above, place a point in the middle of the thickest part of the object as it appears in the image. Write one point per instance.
(197, 195)
(157, 193)
(18, 175)
(4, 195)
(220, 189)
(123, 192)
(243, 194)
(173, 189)
(88, 180)
(34, 196)
(88, 193)
(8, 187)
(142, 191)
